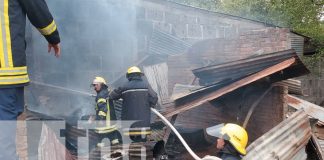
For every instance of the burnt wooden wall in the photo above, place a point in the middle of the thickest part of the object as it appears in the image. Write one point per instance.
(232, 108)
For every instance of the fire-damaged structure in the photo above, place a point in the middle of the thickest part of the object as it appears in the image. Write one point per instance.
(250, 92)
(207, 68)
(251, 98)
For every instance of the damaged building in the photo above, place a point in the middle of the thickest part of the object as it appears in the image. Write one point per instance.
(207, 68)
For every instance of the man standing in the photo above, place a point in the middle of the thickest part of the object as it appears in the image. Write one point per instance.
(138, 97)
(13, 69)
(105, 113)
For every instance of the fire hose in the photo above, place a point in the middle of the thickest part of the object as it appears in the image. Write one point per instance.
(155, 112)
(181, 138)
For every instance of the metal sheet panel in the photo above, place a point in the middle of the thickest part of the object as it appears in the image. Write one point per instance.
(311, 109)
(157, 76)
(294, 86)
(284, 141)
(165, 44)
(229, 88)
(181, 90)
(244, 67)
(319, 145)
(300, 155)
(297, 43)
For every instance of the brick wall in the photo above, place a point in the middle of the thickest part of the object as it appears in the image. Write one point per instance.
(188, 23)
(268, 114)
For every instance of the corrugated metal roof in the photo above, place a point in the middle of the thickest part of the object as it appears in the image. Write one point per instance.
(297, 43)
(165, 44)
(283, 141)
(311, 109)
(157, 76)
(199, 92)
(181, 90)
(278, 66)
(321, 144)
(294, 86)
(243, 67)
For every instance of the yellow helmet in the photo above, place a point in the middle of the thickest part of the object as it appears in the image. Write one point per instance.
(234, 133)
(133, 69)
(99, 80)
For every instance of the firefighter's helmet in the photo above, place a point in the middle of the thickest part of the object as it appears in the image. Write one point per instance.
(99, 80)
(133, 69)
(233, 133)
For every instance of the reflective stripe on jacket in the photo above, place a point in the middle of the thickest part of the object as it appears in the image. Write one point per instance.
(13, 70)
(105, 111)
(137, 131)
(138, 97)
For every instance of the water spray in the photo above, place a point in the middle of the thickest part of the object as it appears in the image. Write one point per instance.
(152, 109)
(63, 88)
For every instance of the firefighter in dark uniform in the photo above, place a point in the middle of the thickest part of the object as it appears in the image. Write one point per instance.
(105, 113)
(138, 97)
(13, 69)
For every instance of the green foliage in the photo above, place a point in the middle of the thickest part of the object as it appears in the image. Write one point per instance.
(313, 63)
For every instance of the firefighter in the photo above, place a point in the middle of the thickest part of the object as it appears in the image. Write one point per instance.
(231, 140)
(138, 97)
(13, 69)
(105, 113)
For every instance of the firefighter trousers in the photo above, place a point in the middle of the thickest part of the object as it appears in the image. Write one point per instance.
(11, 105)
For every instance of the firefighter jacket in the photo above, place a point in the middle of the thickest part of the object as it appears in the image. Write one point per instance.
(138, 97)
(229, 152)
(13, 70)
(105, 112)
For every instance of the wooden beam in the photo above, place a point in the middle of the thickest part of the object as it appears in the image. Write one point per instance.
(232, 87)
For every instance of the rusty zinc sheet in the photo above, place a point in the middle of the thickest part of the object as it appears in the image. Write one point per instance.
(162, 43)
(181, 90)
(157, 76)
(294, 86)
(319, 144)
(216, 93)
(284, 141)
(311, 109)
(243, 67)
